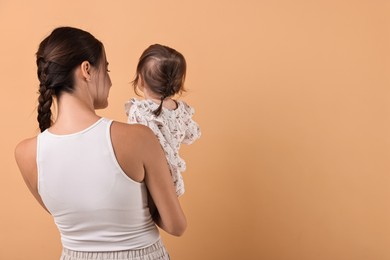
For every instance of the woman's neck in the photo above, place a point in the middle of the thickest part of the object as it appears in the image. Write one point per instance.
(74, 114)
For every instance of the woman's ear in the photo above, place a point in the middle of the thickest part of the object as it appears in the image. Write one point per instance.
(86, 70)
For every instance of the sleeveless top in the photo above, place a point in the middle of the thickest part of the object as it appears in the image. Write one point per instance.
(95, 205)
(172, 128)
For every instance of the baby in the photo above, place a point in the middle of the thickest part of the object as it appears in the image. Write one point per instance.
(160, 75)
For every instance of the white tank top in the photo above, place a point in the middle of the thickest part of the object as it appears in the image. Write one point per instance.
(95, 205)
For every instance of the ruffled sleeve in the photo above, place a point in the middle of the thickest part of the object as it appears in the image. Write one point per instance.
(192, 131)
(137, 112)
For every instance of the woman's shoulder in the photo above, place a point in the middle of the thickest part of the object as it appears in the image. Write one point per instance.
(26, 146)
(121, 126)
(132, 142)
(25, 154)
(131, 131)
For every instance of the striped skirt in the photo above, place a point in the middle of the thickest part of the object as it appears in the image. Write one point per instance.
(156, 251)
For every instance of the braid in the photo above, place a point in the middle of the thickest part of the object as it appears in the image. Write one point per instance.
(157, 112)
(45, 98)
(169, 91)
(170, 86)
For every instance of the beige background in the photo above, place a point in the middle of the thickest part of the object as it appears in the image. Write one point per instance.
(293, 100)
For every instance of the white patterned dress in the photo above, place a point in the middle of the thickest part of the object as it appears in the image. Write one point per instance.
(172, 128)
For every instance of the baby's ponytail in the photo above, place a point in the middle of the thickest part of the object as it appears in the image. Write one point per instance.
(169, 91)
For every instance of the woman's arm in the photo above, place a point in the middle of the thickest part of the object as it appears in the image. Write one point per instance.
(158, 179)
(140, 155)
(25, 155)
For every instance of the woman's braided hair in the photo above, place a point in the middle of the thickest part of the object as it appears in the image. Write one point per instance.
(163, 70)
(58, 56)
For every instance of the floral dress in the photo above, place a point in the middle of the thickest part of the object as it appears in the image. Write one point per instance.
(172, 128)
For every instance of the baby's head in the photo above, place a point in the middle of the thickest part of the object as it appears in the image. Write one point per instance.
(161, 70)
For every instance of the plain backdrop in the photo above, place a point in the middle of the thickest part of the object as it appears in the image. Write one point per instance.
(293, 101)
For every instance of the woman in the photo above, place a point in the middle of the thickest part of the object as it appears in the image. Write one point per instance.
(91, 174)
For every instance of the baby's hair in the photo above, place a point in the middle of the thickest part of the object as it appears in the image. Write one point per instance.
(163, 70)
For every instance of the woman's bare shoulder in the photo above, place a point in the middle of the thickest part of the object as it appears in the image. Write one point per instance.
(26, 150)
(25, 156)
(132, 143)
(131, 131)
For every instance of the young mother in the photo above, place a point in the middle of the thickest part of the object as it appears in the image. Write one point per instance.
(93, 175)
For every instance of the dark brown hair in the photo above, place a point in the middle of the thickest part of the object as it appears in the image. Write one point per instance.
(163, 70)
(57, 57)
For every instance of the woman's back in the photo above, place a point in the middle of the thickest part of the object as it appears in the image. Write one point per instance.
(96, 206)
